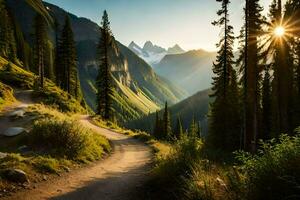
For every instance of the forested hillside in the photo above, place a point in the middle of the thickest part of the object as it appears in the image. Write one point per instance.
(138, 89)
(195, 108)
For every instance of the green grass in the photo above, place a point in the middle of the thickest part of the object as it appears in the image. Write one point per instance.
(57, 143)
(15, 76)
(67, 139)
(187, 173)
(192, 172)
(6, 95)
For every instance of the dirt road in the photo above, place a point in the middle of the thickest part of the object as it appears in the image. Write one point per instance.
(118, 177)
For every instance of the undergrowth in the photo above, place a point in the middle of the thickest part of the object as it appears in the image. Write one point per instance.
(191, 172)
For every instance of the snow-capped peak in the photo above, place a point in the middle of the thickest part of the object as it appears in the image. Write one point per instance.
(153, 54)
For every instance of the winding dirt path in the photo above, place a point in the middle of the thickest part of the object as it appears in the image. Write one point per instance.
(118, 177)
(23, 101)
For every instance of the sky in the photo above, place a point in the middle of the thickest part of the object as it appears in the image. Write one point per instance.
(164, 22)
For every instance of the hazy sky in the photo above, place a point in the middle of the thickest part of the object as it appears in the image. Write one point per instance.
(164, 22)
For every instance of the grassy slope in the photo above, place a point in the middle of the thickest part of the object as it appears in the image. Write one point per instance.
(56, 143)
(55, 115)
(195, 106)
(6, 95)
(128, 103)
(17, 77)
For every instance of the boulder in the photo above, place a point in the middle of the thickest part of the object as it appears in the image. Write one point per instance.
(14, 131)
(15, 175)
(3, 155)
(24, 149)
(17, 114)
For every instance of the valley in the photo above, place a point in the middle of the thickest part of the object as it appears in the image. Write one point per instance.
(149, 100)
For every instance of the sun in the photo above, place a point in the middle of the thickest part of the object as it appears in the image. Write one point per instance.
(279, 31)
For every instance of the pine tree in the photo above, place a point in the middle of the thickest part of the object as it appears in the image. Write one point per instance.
(39, 47)
(66, 66)
(266, 106)
(282, 84)
(178, 131)
(104, 79)
(224, 130)
(157, 130)
(193, 129)
(199, 130)
(59, 71)
(249, 61)
(167, 129)
(7, 34)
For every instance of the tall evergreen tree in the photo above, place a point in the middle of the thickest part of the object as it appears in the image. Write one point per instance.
(249, 63)
(67, 74)
(7, 34)
(104, 79)
(167, 129)
(158, 129)
(282, 84)
(292, 24)
(57, 49)
(39, 47)
(199, 130)
(178, 130)
(193, 129)
(224, 130)
(266, 106)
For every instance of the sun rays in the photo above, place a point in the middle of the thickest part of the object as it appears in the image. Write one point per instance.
(279, 31)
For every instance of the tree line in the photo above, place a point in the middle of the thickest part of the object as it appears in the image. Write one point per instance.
(163, 129)
(257, 96)
(57, 60)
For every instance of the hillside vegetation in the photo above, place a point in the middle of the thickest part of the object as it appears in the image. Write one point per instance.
(56, 143)
(17, 77)
(195, 107)
(6, 95)
(138, 89)
(193, 172)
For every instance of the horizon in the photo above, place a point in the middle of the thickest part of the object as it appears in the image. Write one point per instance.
(173, 24)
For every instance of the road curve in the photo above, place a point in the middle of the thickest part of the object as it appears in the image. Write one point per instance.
(117, 177)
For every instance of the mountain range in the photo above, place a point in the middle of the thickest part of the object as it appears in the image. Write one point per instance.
(139, 90)
(191, 70)
(153, 54)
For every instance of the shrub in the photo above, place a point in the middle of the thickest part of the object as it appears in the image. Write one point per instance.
(66, 138)
(189, 173)
(171, 170)
(274, 173)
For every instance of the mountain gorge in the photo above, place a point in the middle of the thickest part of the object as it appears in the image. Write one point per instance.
(139, 90)
(191, 71)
